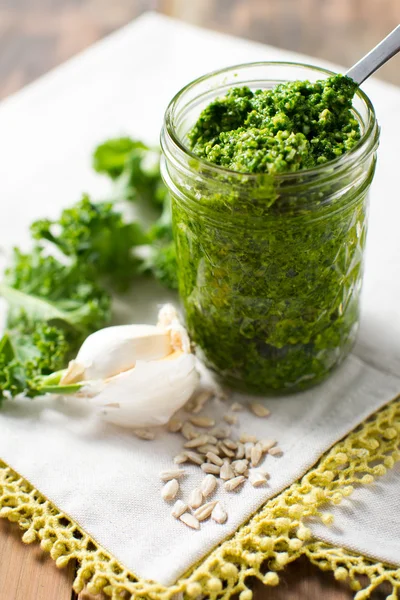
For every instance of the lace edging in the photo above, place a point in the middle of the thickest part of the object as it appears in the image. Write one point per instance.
(275, 536)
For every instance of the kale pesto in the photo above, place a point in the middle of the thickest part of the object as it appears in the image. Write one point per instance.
(270, 268)
(296, 125)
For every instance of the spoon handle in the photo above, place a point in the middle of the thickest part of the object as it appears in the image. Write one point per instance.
(376, 57)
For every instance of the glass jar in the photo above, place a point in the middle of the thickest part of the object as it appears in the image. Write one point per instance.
(270, 266)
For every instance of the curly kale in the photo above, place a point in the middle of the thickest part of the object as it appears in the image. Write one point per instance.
(54, 303)
(46, 291)
(110, 156)
(28, 353)
(134, 167)
(96, 234)
(162, 257)
(52, 308)
(162, 264)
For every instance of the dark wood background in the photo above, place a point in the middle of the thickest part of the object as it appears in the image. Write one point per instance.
(37, 35)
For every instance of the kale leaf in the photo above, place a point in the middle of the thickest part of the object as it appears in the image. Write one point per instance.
(162, 264)
(134, 167)
(29, 352)
(96, 234)
(110, 156)
(52, 307)
(161, 261)
(46, 291)
(54, 303)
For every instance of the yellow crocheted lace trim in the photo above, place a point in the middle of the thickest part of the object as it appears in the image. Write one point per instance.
(275, 535)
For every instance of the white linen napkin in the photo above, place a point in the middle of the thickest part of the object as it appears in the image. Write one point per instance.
(103, 477)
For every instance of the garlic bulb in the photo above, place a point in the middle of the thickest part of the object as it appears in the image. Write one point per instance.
(150, 393)
(136, 375)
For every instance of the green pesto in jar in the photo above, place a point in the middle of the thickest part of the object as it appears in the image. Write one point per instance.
(270, 278)
(296, 125)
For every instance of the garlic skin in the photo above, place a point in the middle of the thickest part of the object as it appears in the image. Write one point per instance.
(136, 375)
(113, 350)
(150, 393)
(168, 320)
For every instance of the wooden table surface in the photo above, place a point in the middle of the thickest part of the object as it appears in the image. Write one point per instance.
(37, 35)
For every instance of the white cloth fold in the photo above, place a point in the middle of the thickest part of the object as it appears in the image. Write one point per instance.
(102, 476)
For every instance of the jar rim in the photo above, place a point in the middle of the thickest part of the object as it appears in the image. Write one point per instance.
(355, 153)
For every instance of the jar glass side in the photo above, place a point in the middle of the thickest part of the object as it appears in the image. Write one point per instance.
(270, 268)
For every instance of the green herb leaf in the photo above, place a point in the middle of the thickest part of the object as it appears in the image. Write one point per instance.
(96, 234)
(27, 354)
(111, 156)
(135, 168)
(162, 257)
(46, 291)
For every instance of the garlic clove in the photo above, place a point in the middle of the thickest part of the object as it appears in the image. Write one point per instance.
(149, 394)
(113, 350)
(74, 373)
(167, 315)
(168, 320)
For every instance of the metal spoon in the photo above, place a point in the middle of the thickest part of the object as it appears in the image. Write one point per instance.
(377, 57)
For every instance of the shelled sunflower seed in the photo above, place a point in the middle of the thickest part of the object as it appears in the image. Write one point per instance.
(209, 448)
(197, 403)
(234, 483)
(257, 478)
(259, 410)
(170, 490)
(231, 419)
(180, 458)
(208, 485)
(210, 468)
(275, 451)
(266, 445)
(219, 514)
(144, 434)
(240, 466)
(233, 458)
(212, 439)
(169, 474)
(225, 450)
(195, 498)
(174, 425)
(226, 472)
(204, 422)
(203, 512)
(190, 520)
(247, 437)
(240, 452)
(237, 407)
(220, 432)
(188, 431)
(178, 509)
(194, 457)
(196, 442)
(214, 458)
(248, 447)
(230, 444)
(255, 455)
